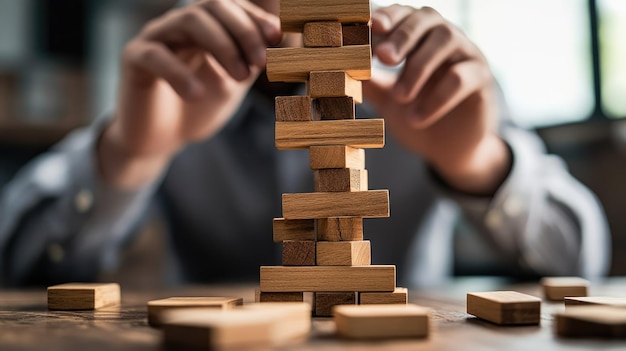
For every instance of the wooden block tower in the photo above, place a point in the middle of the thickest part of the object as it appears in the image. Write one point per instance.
(322, 232)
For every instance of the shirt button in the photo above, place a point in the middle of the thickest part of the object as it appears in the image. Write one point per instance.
(56, 253)
(83, 201)
(494, 219)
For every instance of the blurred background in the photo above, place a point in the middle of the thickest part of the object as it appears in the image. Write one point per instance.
(561, 63)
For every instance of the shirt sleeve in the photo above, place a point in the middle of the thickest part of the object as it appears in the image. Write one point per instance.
(59, 221)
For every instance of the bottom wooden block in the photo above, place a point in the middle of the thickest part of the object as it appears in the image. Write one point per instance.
(83, 296)
(279, 296)
(596, 300)
(591, 321)
(382, 321)
(156, 308)
(325, 301)
(504, 307)
(557, 288)
(398, 296)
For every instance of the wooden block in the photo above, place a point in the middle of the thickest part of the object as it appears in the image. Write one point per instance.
(322, 34)
(340, 229)
(325, 301)
(156, 308)
(83, 296)
(398, 296)
(330, 108)
(336, 156)
(504, 307)
(340, 179)
(297, 229)
(328, 278)
(293, 108)
(358, 34)
(591, 321)
(596, 300)
(370, 204)
(343, 253)
(278, 296)
(359, 133)
(298, 253)
(295, 64)
(382, 321)
(295, 13)
(334, 84)
(557, 288)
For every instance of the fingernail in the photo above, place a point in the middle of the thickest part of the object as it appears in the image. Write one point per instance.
(383, 19)
(388, 50)
(259, 57)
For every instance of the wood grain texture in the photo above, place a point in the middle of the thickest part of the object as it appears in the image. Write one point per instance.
(156, 308)
(331, 108)
(343, 253)
(596, 300)
(369, 204)
(504, 307)
(334, 84)
(340, 229)
(298, 229)
(356, 34)
(322, 34)
(398, 296)
(328, 278)
(293, 108)
(359, 133)
(591, 322)
(557, 288)
(295, 13)
(325, 301)
(298, 253)
(295, 64)
(382, 321)
(83, 296)
(278, 296)
(336, 156)
(340, 179)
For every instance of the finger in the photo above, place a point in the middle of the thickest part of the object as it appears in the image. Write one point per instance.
(386, 18)
(267, 22)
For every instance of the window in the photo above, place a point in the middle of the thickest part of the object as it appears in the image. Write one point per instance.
(612, 32)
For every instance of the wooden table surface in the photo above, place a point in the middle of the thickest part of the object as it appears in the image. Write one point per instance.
(26, 324)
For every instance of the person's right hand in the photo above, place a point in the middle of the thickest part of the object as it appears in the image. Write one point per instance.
(182, 78)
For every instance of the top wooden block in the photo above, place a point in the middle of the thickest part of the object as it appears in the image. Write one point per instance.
(295, 13)
(83, 296)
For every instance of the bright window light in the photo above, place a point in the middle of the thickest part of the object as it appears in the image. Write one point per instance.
(612, 15)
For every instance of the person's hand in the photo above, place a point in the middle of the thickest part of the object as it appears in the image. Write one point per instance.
(442, 104)
(182, 78)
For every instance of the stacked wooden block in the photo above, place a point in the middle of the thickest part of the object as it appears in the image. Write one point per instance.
(322, 232)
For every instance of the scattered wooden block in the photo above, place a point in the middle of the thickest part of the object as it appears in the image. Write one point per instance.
(504, 307)
(343, 253)
(340, 179)
(398, 296)
(298, 253)
(83, 296)
(293, 108)
(370, 204)
(322, 34)
(337, 156)
(359, 133)
(325, 301)
(295, 64)
(295, 13)
(328, 278)
(296, 229)
(260, 296)
(340, 229)
(591, 321)
(358, 34)
(596, 300)
(382, 321)
(157, 308)
(557, 288)
(330, 108)
(334, 84)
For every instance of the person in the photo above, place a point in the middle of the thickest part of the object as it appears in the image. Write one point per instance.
(193, 131)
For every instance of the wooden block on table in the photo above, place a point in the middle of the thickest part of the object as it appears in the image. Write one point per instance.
(596, 300)
(293, 108)
(398, 296)
(370, 204)
(322, 34)
(298, 253)
(330, 108)
(591, 322)
(343, 253)
(336, 156)
(295, 64)
(358, 34)
(260, 296)
(83, 296)
(296, 229)
(294, 14)
(328, 278)
(504, 307)
(340, 179)
(325, 301)
(382, 321)
(340, 229)
(156, 308)
(359, 133)
(334, 84)
(557, 288)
